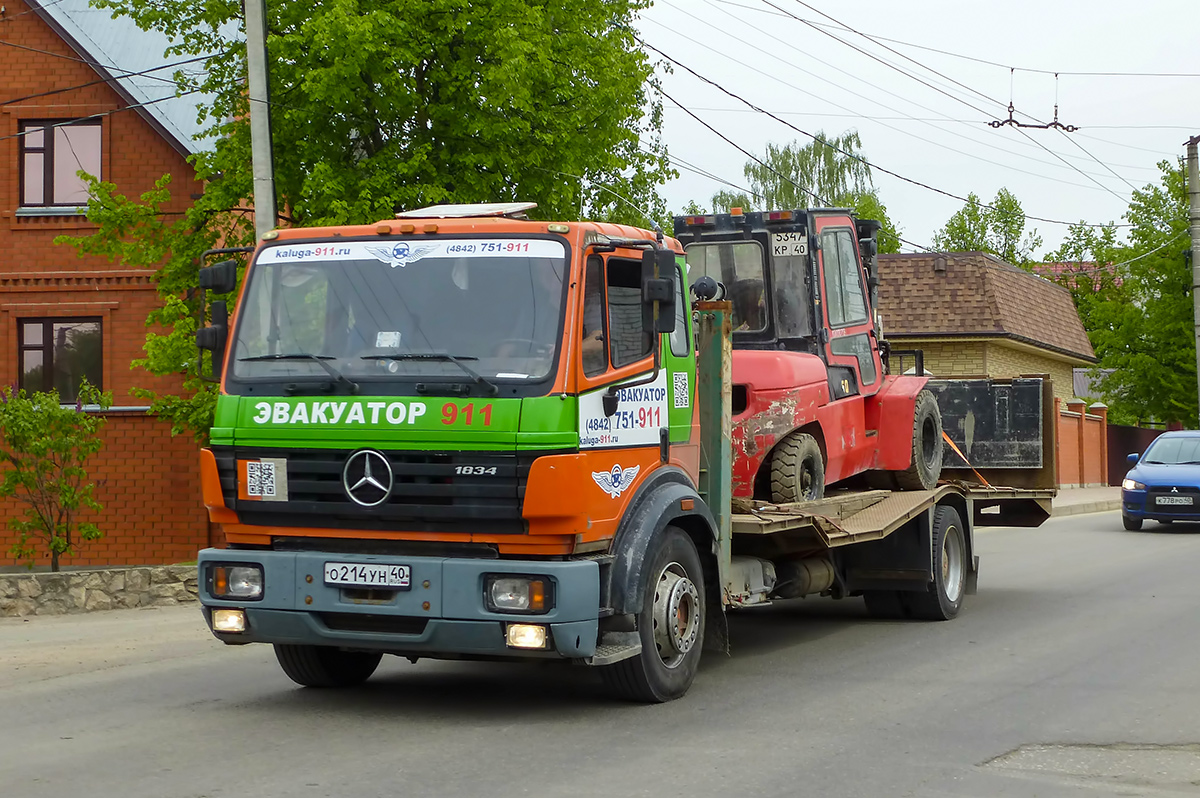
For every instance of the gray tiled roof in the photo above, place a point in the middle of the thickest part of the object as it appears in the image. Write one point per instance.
(977, 294)
(118, 47)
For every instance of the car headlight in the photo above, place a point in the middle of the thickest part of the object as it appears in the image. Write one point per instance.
(1132, 484)
(235, 582)
(528, 595)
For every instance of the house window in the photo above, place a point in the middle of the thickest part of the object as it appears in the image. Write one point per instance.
(57, 354)
(52, 152)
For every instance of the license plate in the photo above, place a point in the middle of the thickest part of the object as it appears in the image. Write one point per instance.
(1172, 499)
(354, 574)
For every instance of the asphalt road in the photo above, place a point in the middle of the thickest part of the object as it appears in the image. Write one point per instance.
(1071, 673)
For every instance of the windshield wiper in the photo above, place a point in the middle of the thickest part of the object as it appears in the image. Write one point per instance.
(455, 359)
(338, 377)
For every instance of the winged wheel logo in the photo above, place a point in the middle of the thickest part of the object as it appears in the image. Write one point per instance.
(615, 482)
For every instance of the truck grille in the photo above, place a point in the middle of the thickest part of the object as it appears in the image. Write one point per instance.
(429, 494)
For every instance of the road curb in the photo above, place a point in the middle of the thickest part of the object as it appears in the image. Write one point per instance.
(1086, 507)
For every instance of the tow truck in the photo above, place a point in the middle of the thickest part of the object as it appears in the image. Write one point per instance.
(464, 434)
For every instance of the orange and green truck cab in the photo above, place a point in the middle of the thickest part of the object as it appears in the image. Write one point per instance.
(451, 434)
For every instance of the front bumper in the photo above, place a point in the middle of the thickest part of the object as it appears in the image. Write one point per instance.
(443, 614)
(1134, 505)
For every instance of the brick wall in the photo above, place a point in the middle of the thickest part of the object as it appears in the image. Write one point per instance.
(149, 484)
(146, 479)
(1082, 457)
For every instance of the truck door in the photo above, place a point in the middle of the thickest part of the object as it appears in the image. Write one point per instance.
(850, 341)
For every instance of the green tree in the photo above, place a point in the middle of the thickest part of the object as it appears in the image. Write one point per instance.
(998, 228)
(1144, 332)
(817, 174)
(386, 104)
(725, 199)
(44, 446)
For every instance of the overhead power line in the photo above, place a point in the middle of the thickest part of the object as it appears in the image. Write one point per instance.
(806, 134)
(97, 82)
(976, 59)
(878, 120)
(942, 91)
(817, 198)
(122, 72)
(102, 114)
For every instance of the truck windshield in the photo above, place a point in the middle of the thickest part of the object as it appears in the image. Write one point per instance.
(405, 310)
(739, 266)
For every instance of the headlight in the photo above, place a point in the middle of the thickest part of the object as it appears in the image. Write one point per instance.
(530, 595)
(1130, 484)
(235, 582)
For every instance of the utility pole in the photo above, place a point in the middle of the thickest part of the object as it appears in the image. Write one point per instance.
(1194, 196)
(260, 117)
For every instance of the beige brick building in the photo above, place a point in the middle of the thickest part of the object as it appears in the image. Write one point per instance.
(974, 315)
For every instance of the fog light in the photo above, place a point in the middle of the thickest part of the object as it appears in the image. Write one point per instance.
(229, 621)
(526, 635)
(235, 581)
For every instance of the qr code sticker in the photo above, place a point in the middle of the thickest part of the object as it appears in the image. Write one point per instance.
(682, 396)
(260, 479)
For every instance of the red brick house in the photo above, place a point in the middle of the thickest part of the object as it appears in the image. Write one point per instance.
(68, 102)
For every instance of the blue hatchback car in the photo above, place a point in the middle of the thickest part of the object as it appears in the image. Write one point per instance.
(1164, 483)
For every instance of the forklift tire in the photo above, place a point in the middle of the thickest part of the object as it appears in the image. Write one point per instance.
(797, 470)
(670, 626)
(927, 446)
(326, 666)
(942, 599)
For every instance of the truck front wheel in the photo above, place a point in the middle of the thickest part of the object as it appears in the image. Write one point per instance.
(670, 625)
(325, 666)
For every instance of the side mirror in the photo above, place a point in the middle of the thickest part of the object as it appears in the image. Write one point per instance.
(214, 336)
(220, 278)
(1133, 458)
(658, 291)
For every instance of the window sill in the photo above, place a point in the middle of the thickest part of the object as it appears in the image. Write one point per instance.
(52, 211)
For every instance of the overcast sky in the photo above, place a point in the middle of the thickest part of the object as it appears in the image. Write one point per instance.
(938, 134)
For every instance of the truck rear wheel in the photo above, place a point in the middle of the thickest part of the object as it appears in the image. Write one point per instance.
(670, 626)
(927, 446)
(326, 666)
(943, 598)
(797, 470)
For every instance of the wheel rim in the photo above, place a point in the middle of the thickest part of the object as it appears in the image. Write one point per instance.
(953, 562)
(928, 440)
(808, 479)
(676, 614)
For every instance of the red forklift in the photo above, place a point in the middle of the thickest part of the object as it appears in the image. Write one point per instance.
(813, 400)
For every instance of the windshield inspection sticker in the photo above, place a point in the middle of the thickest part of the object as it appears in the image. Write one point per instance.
(393, 413)
(641, 412)
(615, 482)
(399, 254)
(387, 340)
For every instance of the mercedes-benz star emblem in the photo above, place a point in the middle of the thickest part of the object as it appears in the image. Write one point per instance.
(367, 478)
